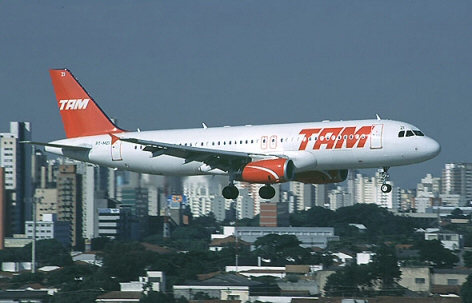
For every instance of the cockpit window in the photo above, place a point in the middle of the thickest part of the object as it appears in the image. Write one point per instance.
(418, 133)
(410, 133)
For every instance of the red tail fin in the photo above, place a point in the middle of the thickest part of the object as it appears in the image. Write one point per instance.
(81, 116)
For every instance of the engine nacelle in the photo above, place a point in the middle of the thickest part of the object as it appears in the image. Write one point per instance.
(267, 171)
(321, 177)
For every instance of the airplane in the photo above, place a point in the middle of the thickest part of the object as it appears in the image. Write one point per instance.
(314, 153)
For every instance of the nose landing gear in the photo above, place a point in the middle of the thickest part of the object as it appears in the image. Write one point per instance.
(385, 188)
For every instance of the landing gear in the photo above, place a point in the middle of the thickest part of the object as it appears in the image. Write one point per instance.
(230, 192)
(267, 192)
(385, 188)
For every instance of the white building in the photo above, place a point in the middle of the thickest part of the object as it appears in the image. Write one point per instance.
(50, 228)
(339, 197)
(429, 187)
(154, 279)
(304, 194)
(114, 223)
(201, 193)
(309, 236)
(450, 240)
(364, 257)
(367, 190)
(457, 179)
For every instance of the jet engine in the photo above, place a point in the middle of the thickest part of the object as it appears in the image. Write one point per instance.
(321, 177)
(267, 171)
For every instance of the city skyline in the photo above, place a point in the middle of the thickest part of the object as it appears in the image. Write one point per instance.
(236, 63)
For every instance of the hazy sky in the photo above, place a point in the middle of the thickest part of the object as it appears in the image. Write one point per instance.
(176, 64)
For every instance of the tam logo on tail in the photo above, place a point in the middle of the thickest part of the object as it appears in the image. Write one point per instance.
(80, 114)
(73, 104)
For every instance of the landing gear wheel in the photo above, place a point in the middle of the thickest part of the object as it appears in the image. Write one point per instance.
(267, 192)
(230, 192)
(386, 188)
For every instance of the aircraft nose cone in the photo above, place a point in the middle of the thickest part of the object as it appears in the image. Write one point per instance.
(433, 148)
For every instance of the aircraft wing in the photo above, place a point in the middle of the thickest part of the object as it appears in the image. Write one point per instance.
(215, 158)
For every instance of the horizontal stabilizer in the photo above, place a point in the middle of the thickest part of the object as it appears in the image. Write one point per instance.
(69, 147)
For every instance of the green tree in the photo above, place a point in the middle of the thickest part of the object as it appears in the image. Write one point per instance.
(99, 243)
(352, 280)
(156, 296)
(28, 277)
(280, 248)
(126, 261)
(466, 290)
(467, 258)
(433, 252)
(49, 252)
(385, 267)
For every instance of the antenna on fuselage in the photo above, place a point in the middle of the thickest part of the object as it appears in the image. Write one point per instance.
(378, 117)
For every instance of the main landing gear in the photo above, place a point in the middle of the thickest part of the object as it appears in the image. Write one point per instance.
(231, 192)
(385, 188)
(267, 192)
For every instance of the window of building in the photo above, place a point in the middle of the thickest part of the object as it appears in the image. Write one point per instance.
(420, 280)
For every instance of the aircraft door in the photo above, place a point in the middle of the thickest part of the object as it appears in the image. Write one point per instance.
(116, 151)
(376, 136)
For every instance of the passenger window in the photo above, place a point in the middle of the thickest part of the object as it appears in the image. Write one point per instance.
(409, 133)
(401, 134)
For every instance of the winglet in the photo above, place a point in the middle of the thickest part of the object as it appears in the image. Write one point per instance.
(81, 116)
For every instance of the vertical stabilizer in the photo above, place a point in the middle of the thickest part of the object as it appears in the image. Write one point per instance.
(81, 116)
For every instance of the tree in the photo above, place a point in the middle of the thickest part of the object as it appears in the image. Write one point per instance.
(468, 259)
(433, 252)
(385, 267)
(280, 248)
(156, 296)
(466, 290)
(126, 261)
(49, 252)
(352, 280)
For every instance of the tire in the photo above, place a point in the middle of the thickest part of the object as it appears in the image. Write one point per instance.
(267, 192)
(386, 188)
(230, 192)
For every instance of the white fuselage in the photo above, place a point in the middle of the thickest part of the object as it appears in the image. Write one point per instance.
(311, 146)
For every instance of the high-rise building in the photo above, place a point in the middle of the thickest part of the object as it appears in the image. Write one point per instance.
(2, 208)
(457, 179)
(339, 197)
(304, 194)
(274, 214)
(16, 159)
(115, 223)
(430, 185)
(45, 202)
(69, 200)
(367, 190)
(321, 194)
(50, 228)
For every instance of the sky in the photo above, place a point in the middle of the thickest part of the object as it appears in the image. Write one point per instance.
(176, 64)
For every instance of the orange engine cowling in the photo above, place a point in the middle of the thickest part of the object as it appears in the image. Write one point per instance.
(267, 171)
(321, 177)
